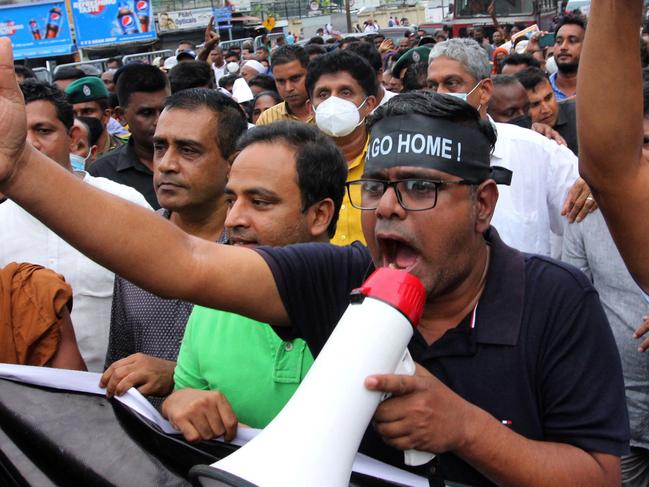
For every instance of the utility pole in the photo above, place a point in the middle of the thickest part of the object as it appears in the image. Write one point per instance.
(348, 14)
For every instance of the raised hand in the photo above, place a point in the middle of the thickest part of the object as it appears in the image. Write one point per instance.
(13, 122)
(211, 36)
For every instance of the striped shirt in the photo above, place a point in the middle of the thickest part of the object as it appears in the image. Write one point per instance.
(280, 112)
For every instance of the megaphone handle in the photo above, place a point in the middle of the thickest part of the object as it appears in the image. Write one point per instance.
(413, 458)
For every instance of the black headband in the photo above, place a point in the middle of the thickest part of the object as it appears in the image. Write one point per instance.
(421, 141)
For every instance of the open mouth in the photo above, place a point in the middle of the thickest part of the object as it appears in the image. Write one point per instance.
(397, 254)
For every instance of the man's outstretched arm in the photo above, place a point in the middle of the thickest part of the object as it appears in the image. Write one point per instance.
(133, 242)
(610, 127)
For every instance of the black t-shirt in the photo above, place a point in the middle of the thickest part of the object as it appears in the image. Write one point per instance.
(541, 357)
(567, 124)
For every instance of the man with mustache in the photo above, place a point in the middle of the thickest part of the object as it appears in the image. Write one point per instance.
(289, 65)
(569, 39)
(521, 383)
(141, 89)
(286, 186)
(194, 144)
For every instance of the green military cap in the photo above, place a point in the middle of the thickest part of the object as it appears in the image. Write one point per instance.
(414, 55)
(86, 89)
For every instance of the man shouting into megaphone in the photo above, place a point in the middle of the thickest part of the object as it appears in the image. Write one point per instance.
(520, 381)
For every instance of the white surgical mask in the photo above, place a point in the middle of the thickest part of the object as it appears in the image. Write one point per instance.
(338, 117)
(464, 96)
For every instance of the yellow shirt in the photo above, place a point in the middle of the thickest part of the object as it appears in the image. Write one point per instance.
(349, 221)
(279, 112)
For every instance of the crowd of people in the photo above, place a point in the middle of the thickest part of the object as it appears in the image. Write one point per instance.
(193, 228)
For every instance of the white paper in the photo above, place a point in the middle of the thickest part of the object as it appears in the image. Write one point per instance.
(74, 380)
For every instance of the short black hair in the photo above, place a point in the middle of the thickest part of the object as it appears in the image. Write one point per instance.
(113, 101)
(645, 97)
(321, 167)
(273, 94)
(570, 19)
(24, 71)
(504, 80)
(231, 53)
(289, 53)
(312, 49)
(530, 78)
(251, 105)
(193, 46)
(348, 40)
(317, 40)
(339, 61)
(138, 77)
(115, 60)
(191, 74)
(368, 51)
(35, 90)
(434, 105)
(95, 128)
(68, 72)
(518, 59)
(231, 121)
(264, 81)
(425, 40)
(415, 77)
(228, 79)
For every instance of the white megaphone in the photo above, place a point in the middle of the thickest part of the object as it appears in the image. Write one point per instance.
(312, 442)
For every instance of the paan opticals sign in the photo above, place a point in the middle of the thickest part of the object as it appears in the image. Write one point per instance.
(184, 19)
(37, 30)
(198, 17)
(101, 22)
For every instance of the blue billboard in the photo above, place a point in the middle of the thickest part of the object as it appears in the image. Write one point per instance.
(37, 30)
(101, 22)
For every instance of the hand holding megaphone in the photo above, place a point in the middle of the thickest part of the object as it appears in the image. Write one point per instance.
(422, 413)
(314, 439)
(412, 457)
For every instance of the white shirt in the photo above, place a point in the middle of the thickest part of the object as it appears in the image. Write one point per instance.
(218, 72)
(387, 96)
(528, 211)
(25, 239)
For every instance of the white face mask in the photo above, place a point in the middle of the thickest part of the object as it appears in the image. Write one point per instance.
(464, 96)
(338, 117)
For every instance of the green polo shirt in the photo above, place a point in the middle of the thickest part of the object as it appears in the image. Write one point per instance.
(257, 371)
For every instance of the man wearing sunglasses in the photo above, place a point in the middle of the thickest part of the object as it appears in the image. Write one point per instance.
(519, 383)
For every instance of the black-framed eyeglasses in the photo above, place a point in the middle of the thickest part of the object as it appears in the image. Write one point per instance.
(412, 194)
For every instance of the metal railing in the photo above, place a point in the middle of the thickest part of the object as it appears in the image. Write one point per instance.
(225, 45)
(100, 64)
(43, 74)
(272, 38)
(146, 57)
